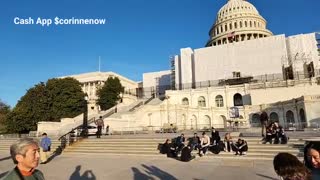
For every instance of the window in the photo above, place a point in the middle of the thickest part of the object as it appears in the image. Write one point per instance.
(290, 117)
(202, 101)
(237, 100)
(250, 24)
(226, 28)
(245, 24)
(230, 25)
(185, 101)
(255, 120)
(240, 24)
(219, 101)
(235, 25)
(274, 117)
(236, 74)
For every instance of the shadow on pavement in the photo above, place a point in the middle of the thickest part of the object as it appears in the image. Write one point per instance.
(267, 177)
(87, 175)
(152, 170)
(138, 175)
(5, 158)
(3, 174)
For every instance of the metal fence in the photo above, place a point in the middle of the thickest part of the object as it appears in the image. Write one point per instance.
(256, 82)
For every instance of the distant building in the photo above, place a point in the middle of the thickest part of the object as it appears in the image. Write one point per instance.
(94, 80)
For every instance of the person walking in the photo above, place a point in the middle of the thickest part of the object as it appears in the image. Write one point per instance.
(45, 147)
(100, 124)
(25, 154)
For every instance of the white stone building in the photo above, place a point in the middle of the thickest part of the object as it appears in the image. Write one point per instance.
(243, 66)
(156, 83)
(94, 80)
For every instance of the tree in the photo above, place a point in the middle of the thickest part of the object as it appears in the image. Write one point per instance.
(66, 98)
(58, 98)
(109, 94)
(4, 111)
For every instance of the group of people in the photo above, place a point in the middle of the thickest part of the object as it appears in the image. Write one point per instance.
(289, 167)
(273, 132)
(240, 147)
(204, 143)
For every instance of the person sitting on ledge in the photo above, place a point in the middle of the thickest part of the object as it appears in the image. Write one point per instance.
(240, 147)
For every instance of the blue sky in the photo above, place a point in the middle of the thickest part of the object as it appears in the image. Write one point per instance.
(139, 36)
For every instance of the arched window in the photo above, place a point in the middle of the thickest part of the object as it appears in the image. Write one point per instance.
(230, 26)
(255, 120)
(255, 24)
(290, 117)
(250, 24)
(274, 117)
(219, 101)
(201, 101)
(185, 101)
(245, 24)
(302, 118)
(226, 28)
(240, 24)
(221, 30)
(235, 25)
(237, 100)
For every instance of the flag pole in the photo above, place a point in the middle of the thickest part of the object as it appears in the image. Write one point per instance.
(99, 63)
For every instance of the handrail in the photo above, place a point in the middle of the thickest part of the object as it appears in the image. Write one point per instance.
(148, 100)
(70, 138)
(134, 107)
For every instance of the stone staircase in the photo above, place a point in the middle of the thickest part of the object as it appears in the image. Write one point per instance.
(147, 146)
(6, 143)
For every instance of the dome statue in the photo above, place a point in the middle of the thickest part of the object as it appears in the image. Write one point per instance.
(238, 20)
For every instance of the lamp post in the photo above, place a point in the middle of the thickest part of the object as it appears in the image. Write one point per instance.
(84, 132)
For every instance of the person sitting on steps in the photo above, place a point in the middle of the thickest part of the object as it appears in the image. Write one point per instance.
(215, 136)
(195, 142)
(240, 147)
(186, 154)
(228, 142)
(179, 143)
(204, 144)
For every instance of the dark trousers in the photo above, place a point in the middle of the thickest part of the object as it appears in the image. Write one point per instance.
(99, 131)
(203, 149)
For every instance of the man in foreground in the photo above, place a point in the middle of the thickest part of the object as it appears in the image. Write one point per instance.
(25, 153)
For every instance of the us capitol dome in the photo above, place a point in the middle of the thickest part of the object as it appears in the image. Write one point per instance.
(238, 20)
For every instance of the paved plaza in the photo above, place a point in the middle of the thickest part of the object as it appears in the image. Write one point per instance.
(96, 167)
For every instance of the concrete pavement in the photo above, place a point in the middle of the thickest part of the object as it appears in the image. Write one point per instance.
(96, 167)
